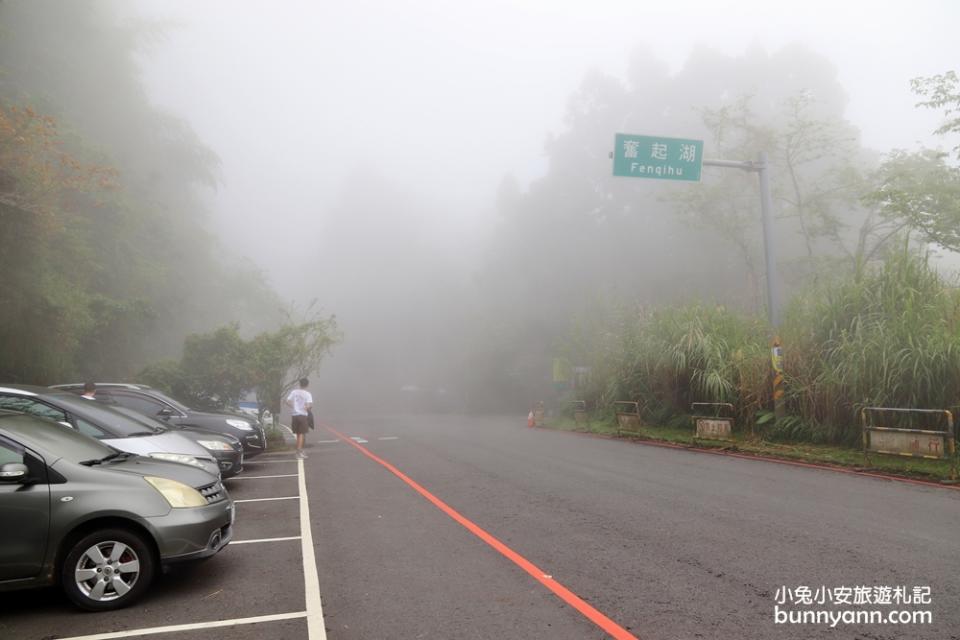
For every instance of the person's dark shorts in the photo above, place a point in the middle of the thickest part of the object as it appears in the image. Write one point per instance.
(300, 424)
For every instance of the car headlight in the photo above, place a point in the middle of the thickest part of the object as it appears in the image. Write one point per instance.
(177, 494)
(215, 445)
(243, 425)
(177, 457)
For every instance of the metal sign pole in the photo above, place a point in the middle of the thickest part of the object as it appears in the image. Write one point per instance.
(762, 168)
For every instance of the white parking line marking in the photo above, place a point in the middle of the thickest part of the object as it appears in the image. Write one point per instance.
(389, 438)
(189, 627)
(358, 439)
(266, 499)
(327, 441)
(283, 461)
(311, 582)
(289, 475)
(264, 540)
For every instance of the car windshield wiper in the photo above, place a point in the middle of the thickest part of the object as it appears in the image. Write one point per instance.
(117, 455)
(140, 434)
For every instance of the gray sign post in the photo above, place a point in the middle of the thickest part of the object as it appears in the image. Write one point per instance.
(762, 168)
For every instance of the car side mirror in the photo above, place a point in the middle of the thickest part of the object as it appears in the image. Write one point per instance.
(65, 423)
(13, 472)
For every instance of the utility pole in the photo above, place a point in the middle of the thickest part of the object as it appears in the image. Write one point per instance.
(762, 169)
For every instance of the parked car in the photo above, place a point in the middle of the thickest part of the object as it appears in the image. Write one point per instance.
(155, 404)
(226, 449)
(104, 423)
(97, 521)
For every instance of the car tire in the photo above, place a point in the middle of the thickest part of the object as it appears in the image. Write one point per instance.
(107, 569)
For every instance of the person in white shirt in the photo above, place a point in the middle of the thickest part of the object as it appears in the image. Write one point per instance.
(300, 402)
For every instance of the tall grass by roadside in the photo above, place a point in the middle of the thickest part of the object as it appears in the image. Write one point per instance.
(889, 336)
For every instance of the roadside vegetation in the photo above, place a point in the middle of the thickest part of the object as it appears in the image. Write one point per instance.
(218, 368)
(872, 319)
(849, 342)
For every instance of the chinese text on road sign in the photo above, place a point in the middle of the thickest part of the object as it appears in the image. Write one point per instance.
(658, 158)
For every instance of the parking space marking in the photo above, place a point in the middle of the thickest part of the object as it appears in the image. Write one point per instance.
(389, 438)
(289, 475)
(279, 461)
(311, 581)
(327, 442)
(190, 627)
(264, 540)
(266, 499)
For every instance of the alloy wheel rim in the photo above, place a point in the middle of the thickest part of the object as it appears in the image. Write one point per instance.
(107, 571)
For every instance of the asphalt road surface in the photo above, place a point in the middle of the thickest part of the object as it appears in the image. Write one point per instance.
(469, 527)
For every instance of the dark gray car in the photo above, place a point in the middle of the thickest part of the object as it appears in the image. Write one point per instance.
(98, 521)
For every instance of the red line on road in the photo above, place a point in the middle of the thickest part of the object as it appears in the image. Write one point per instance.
(602, 621)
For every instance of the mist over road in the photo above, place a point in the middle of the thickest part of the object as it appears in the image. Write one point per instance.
(668, 544)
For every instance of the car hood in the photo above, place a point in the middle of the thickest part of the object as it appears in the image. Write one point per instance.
(222, 416)
(168, 442)
(195, 434)
(141, 466)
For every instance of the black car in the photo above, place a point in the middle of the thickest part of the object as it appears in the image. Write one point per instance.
(155, 404)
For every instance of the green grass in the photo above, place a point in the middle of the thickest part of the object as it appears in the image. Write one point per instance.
(814, 453)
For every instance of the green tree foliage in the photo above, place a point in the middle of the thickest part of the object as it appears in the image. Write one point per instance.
(106, 259)
(941, 91)
(219, 367)
(921, 190)
(213, 372)
(278, 359)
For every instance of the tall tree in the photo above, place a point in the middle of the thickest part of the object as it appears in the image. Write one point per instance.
(109, 262)
(921, 190)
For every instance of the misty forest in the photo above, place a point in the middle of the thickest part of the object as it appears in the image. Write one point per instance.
(576, 286)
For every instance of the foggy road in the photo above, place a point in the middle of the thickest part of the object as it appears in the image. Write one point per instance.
(668, 544)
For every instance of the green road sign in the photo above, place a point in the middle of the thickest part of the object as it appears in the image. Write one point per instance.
(657, 158)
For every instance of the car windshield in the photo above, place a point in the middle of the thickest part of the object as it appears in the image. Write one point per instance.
(106, 417)
(178, 405)
(55, 439)
(139, 418)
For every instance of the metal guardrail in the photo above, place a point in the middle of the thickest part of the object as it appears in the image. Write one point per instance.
(930, 444)
(628, 421)
(713, 427)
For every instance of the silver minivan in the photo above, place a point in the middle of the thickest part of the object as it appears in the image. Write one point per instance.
(107, 425)
(98, 521)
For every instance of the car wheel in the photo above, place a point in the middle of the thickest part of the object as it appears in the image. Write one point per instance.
(107, 569)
